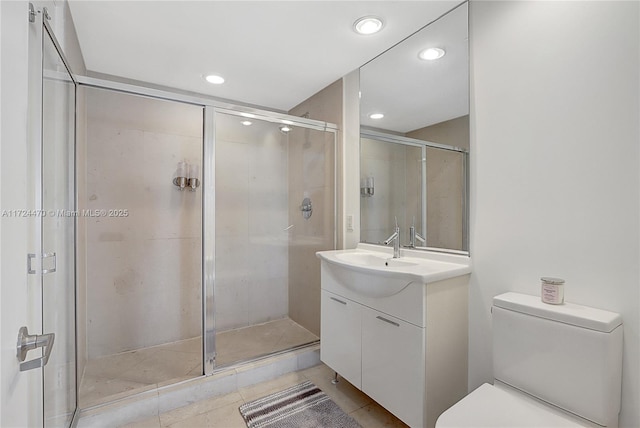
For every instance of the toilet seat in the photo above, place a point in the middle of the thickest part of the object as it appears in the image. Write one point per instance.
(502, 406)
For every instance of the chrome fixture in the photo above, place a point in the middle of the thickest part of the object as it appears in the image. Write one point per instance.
(366, 186)
(395, 238)
(187, 176)
(306, 208)
(28, 342)
(413, 236)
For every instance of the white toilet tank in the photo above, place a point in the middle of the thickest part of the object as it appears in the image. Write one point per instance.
(567, 355)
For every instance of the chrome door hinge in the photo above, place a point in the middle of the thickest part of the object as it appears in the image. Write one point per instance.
(50, 268)
(32, 13)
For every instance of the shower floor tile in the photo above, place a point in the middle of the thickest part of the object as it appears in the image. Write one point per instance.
(116, 376)
(249, 342)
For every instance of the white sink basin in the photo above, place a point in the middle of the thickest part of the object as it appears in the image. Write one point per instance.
(372, 271)
(374, 260)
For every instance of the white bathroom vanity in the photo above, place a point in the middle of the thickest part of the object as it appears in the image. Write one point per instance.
(397, 328)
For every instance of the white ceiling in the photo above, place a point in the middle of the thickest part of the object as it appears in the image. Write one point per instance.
(413, 93)
(273, 54)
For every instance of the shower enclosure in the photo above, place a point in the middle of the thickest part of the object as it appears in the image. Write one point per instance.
(182, 282)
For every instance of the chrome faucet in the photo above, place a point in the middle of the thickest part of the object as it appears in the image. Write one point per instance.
(413, 236)
(396, 241)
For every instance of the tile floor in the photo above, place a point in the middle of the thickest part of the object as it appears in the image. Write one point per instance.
(222, 411)
(116, 376)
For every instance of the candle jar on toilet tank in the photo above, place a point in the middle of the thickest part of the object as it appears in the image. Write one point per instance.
(552, 290)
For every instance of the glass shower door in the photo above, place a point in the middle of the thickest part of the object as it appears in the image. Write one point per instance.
(274, 208)
(58, 236)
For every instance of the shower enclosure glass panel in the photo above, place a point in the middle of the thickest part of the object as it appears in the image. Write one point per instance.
(58, 236)
(274, 208)
(144, 244)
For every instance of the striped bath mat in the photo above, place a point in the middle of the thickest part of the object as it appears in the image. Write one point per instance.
(301, 406)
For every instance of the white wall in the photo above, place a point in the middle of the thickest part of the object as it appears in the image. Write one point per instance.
(349, 161)
(554, 164)
(16, 294)
(18, 306)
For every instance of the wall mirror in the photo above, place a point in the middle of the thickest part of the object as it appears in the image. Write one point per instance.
(414, 138)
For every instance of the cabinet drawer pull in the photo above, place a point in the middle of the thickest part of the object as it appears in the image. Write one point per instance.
(338, 300)
(387, 321)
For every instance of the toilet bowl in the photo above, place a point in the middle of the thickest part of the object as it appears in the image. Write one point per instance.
(554, 366)
(499, 405)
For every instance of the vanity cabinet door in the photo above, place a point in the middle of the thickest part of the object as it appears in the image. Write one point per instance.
(340, 336)
(393, 367)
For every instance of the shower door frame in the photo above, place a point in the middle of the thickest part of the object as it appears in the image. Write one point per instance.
(211, 106)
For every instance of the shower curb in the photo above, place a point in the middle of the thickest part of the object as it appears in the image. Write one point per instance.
(162, 399)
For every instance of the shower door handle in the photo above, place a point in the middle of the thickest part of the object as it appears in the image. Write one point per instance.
(27, 342)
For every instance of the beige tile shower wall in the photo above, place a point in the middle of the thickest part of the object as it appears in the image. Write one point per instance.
(454, 132)
(311, 173)
(444, 199)
(444, 182)
(251, 281)
(413, 171)
(143, 268)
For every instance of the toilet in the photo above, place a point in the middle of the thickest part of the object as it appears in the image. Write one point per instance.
(553, 365)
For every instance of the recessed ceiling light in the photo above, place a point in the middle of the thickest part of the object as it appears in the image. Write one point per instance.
(368, 25)
(215, 79)
(376, 116)
(285, 129)
(246, 122)
(430, 54)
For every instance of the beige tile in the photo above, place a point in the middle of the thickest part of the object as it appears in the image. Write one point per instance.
(193, 373)
(113, 365)
(129, 372)
(261, 339)
(153, 422)
(200, 408)
(99, 390)
(375, 416)
(263, 389)
(224, 417)
(345, 395)
(193, 346)
(161, 366)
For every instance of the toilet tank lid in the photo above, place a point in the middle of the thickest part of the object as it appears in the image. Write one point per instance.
(568, 313)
